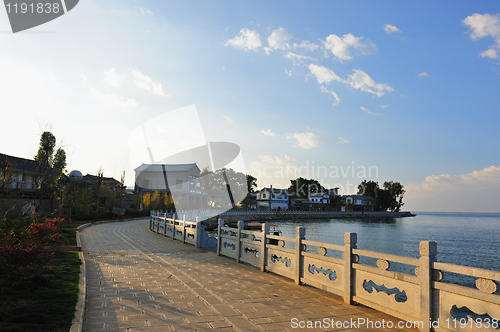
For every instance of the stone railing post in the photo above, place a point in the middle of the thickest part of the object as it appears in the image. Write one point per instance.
(219, 233)
(199, 233)
(350, 240)
(157, 222)
(238, 240)
(300, 233)
(263, 251)
(172, 224)
(184, 231)
(428, 252)
(165, 225)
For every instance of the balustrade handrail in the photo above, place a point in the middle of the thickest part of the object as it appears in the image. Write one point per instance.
(421, 297)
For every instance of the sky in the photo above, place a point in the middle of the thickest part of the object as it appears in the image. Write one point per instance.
(339, 91)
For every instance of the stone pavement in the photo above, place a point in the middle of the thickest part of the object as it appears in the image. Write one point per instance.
(141, 281)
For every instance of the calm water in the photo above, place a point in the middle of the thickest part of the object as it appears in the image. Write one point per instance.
(471, 239)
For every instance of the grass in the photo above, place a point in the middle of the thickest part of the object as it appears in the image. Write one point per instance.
(42, 303)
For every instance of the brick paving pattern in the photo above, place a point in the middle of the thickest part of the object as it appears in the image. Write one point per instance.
(141, 281)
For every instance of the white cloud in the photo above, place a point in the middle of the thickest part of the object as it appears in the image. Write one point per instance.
(145, 82)
(113, 100)
(307, 45)
(112, 78)
(475, 191)
(323, 74)
(267, 132)
(341, 47)
(146, 11)
(288, 72)
(423, 74)
(278, 40)
(305, 140)
(228, 119)
(389, 28)
(84, 78)
(360, 80)
(246, 40)
(333, 93)
(491, 53)
(367, 111)
(384, 106)
(342, 141)
(485, 25)
(297, 58)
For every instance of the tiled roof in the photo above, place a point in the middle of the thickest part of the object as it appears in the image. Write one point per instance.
(19, 163)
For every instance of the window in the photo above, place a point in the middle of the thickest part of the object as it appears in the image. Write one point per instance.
(178, 184)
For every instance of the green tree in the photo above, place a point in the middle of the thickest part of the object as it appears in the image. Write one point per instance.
(388, 198)
(251, 183)
(51, 166)
(368, 188)
(303, 187)
(383, 200)
(224, 187)
(396, 191)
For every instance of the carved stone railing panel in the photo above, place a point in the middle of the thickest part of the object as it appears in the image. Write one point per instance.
(461, 313)
(399, 298)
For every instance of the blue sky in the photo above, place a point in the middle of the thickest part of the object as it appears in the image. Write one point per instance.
(408, 88)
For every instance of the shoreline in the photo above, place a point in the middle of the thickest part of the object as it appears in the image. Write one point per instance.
(334, 215)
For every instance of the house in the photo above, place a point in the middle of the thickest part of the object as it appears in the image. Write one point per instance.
(91, 181)
(182, 181)
(319, 198)
(272, 199)
(359, 202)
(20, 181)
(297, 202)
(317, 202)
(18, 173)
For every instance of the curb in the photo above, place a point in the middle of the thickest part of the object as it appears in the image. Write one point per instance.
(77, 323)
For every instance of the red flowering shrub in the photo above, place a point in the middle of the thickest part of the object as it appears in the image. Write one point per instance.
(24, 245)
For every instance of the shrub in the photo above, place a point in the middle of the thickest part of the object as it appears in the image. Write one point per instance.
(25, 246)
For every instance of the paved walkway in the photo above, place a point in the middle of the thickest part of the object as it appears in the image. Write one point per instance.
(142, 281)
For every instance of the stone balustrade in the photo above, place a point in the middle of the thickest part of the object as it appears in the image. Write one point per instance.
(417, 291)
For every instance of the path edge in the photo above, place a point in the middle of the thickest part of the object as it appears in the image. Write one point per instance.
(77, 322)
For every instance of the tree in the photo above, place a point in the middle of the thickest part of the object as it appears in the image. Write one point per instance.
(50, 166)
(383, 200)
(6, 173)
(396, 191)
(388, 198)
(304, 187)
(224, 187)
(251, 183)
(368, 188)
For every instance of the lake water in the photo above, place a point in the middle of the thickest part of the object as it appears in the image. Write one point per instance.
(471, 239)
